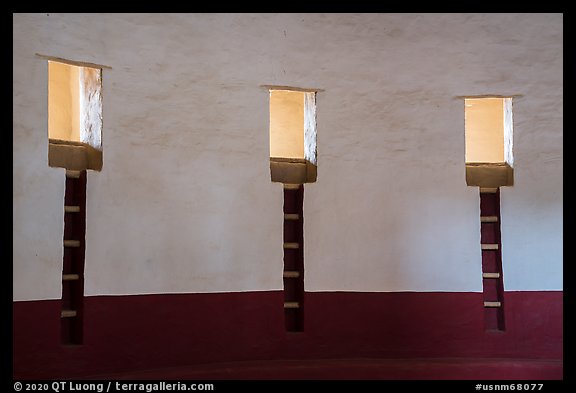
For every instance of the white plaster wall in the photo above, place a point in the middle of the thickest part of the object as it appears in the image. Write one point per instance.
(38, 191)
(508, 132)
(532, 210)
(310, 127)
(184, 202)
(90, 106)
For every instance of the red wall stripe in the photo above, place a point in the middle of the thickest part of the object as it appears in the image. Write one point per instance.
(127, 333)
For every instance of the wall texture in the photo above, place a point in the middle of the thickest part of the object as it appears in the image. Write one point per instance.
(184, 203)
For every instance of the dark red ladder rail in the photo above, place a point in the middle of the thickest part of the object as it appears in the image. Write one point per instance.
(73, 265)
(491, 245)
(293, 258)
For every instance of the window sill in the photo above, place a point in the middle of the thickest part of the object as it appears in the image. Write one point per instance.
(75, 156)
(489, 174)
(292, 170)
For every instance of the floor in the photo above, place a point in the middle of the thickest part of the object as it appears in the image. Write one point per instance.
(358, 369)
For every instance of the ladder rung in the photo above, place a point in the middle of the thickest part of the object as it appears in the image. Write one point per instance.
(290, 216)
(291, 274)
(288, 186)
(70, 277)
(488, 190)
(73, 174)
(492, 304)
(489, 246)
(68, 313)
(291, 245)
(490, 275)
(71, 209)
(71, 243)
(489, 219)
(291, 305)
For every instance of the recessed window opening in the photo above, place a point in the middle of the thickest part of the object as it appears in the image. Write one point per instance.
(489, 141)
(74, 116)
(293, 136)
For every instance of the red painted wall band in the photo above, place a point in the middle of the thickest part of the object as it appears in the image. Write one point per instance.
(154, 331)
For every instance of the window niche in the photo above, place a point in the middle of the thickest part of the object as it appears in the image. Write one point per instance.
(488, 136)
(74, 116)
(293, 136)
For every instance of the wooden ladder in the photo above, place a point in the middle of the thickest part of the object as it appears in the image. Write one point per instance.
(293, 258)
(491, 246)
(73, 264)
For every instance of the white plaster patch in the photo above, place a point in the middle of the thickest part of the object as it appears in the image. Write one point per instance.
(91, 107)
(310, 127)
